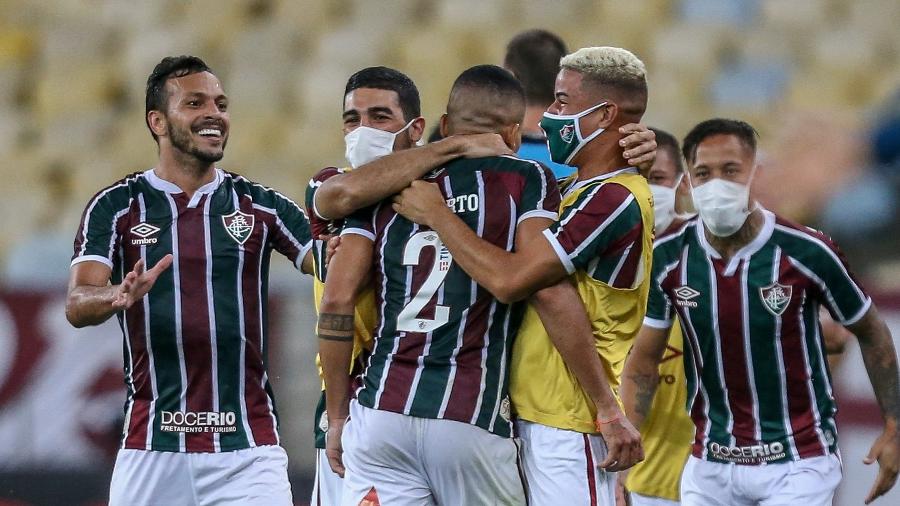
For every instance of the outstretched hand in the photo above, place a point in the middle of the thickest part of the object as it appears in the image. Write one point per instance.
(885, 451)
(138, 282)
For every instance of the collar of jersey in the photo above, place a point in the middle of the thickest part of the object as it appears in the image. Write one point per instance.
(170, 187)
(749, 249)
(578, 184)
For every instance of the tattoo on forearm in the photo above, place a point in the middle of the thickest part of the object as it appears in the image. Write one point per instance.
(881, 362)
(645, 389)
(336, 327)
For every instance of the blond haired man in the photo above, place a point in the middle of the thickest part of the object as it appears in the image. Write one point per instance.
(573, 432)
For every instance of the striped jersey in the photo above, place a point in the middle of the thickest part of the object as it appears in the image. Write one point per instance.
(604, 239)
(442, 341)
(365, 313)
(759, 388)
(195, 347)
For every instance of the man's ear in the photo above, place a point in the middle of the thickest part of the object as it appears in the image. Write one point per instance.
(157, 122)
(445, 130)
(512, 136)
(416, 130)
(607, 115)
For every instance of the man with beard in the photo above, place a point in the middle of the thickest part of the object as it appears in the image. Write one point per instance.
(200, 420)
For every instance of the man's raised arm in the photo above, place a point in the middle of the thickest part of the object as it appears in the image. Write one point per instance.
(341, 195)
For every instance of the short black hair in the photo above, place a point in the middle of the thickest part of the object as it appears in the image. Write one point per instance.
(170, 66)
(384, 78)
(533, 57)
(718, 126)
(487, 96)
(667, 141)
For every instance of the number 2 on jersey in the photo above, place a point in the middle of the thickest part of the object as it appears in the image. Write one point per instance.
(408, 320)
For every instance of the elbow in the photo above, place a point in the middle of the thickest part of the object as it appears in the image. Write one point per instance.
(340, 201)
(508, 291)
(73, 317)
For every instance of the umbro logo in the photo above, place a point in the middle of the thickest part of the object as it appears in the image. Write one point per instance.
(683, 296)
(143, 231)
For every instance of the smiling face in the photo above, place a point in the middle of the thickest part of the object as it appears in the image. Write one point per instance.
(196, 121)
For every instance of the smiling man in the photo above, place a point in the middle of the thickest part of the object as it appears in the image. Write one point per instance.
(200, 422)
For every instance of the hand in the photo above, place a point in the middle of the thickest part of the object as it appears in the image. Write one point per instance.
(886, 451)
(421, 203)
(482, 145)
(334, 450)
(138, 282)
(639, 144)
(623, 442)
(622, 496)
(332, 246)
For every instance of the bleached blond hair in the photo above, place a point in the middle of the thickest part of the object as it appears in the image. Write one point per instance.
(606, 63)
(611, 67)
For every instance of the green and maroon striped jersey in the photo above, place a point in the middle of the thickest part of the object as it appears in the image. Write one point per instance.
(759, 388)
(195, 347)
(442, 342)
(318, 224)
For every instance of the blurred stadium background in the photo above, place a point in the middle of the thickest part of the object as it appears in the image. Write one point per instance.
(818, 78)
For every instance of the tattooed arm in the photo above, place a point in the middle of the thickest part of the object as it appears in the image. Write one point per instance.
(641, 375)
(880, 358)
(347, 273)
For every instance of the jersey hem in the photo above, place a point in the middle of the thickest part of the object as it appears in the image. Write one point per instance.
(657, 324)
(358, 231)
(92, 258)
(556, 421)
(560, 251)
(859, 315)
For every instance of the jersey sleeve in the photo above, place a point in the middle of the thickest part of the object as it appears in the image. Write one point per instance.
(597, 220)
(841, 293)
(97, 238)
(318, 225)
(540, 195)
(659, 307)
(362, 222)
(291, 236)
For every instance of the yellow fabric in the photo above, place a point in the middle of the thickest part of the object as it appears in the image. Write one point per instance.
(668, 431)
(542, 388)
(364, 321)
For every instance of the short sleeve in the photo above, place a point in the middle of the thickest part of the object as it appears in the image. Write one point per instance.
(362, 222)
(291, 236)
(659, 306)
(841, 293)
(598, 219)
(97, 238)
(310, 198)
(540, 195)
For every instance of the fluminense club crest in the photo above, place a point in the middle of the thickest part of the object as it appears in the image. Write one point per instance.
(776, 297)
(239, 225)
(566, 133)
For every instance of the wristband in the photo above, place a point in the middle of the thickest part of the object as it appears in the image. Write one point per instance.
(600, 423)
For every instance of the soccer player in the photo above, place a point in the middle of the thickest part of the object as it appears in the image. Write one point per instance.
(603, 240)
(667, 431)
(180, 254)
(431, 422)
(747, 286)
(381, 115)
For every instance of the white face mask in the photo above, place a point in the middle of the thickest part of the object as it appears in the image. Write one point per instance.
(722, 205)
(366, 144)
(663, 205)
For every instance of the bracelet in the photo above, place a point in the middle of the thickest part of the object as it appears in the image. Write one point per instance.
(606, 422)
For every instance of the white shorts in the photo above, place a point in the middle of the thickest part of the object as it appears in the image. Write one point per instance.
(328, 485)
(419, 461)
(646, 500)
(807, 482)
(250, 477)
(562, 467)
